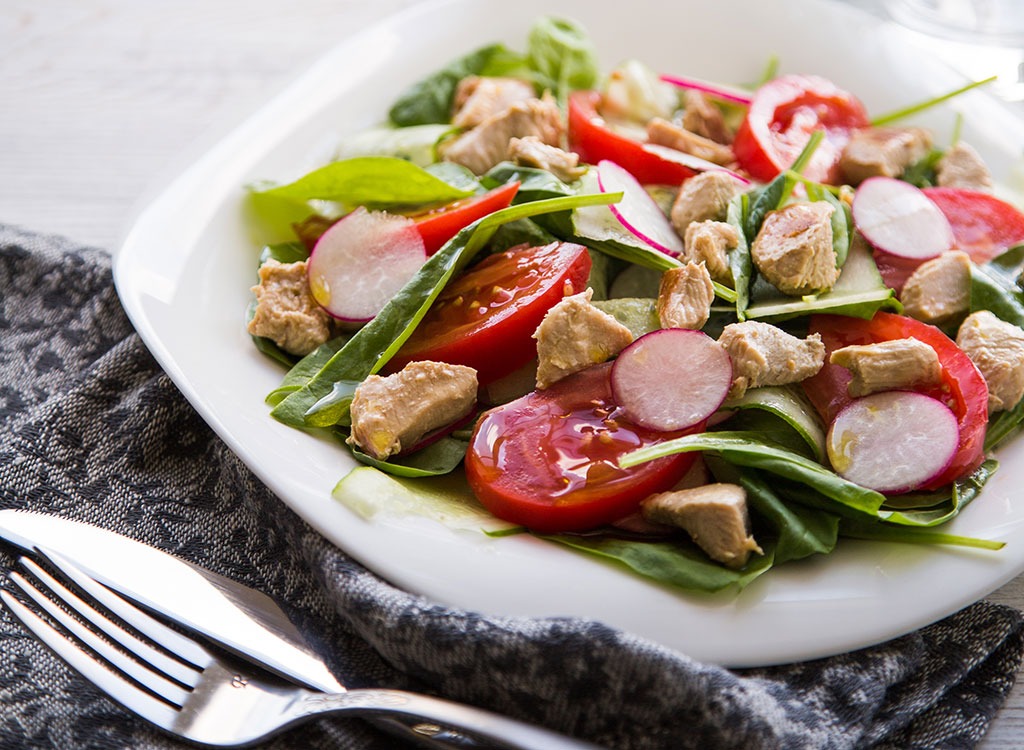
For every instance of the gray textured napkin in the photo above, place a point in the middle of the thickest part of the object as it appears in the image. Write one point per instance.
(90, 428)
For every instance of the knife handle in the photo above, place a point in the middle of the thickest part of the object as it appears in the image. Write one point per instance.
(429, 735)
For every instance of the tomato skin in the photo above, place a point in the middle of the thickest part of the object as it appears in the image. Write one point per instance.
(440, 225)
(984, 226)
(589, 138)
(963, 389)
(780, 120)
(548, 460)
(485, 318)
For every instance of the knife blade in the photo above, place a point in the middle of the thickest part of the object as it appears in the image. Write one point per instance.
(240, 619)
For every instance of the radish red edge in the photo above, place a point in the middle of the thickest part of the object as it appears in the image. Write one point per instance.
(692, 162)
(898, 219)
(717, 90)
(671, 379)
(893, 441)
(638, 212)
(363, 261)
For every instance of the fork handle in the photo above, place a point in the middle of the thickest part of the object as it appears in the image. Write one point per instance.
(501, 731)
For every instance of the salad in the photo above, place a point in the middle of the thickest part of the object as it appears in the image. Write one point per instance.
(696, 328)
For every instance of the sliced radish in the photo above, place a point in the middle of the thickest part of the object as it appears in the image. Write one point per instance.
(362, 262)
(692, 162)
(894, 441)
(897, 218)
(638, 211)
(717, 90)
(671, 379)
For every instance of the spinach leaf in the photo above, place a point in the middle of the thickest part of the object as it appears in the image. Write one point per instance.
(993, 289)
(284, 252)
(922, 172)
(371, 181)
(749, 449)
(429, 101)
(562, 56)
(534, 184)
(856, 529)
(678, 563)
(319, 403)
(1003, 425)
(800, 531)
(638, 314)
(440, 457)
(304, 369)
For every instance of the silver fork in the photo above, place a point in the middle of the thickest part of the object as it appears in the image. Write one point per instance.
(188, 690)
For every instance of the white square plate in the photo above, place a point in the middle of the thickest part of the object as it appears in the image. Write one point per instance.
(185, 269)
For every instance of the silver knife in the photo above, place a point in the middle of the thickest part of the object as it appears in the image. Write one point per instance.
(242, 620)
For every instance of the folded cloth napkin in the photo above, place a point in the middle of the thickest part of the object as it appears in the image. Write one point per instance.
(90, 428)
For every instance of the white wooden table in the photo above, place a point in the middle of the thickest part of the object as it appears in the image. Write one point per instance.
(102, 100)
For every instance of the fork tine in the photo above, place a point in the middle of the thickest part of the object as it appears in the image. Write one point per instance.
(120, 690)
(174, 642)
(153, 681)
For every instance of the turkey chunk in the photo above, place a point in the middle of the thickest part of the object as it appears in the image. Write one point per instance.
(939, 289)
(391, 414)
(702, 117)
(888, 366)
(963, 167)
(709, 242)
(714, 515)
(575, 335)
(663, 133)
(997, 348)
(485, 145)
(883, 152)
(765, 355)
(793, 249)
(478, 98)
(685, 296)
(531, 151)
(704, 197)
(286, 312)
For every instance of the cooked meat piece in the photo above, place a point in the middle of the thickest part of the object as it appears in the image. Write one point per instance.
(685, 296)
(485, 145)
(997, 348)
(478, 98)
(765, 355)
(963, 167)
(704, 197)
(883, 152)
(888, 366)
(531, 151)
(714, 515)
(793, 250)
(709, 242)
(286, 312)
(702, 117)
(575, 335)
(939, 289)
(391, 414)
(663, 133)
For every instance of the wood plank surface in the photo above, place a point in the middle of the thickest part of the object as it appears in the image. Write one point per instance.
(101, 101)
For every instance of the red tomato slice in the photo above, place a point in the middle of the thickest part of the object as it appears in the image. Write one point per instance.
(984, 226)
(486, 318)
(781, 118)
(963, 388)
(440, 225)
(593, 141)
(549, 460)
